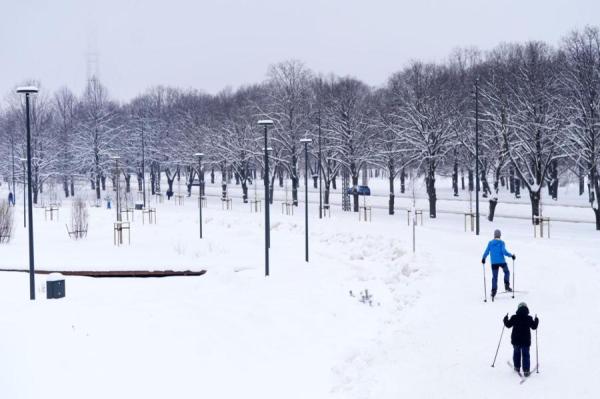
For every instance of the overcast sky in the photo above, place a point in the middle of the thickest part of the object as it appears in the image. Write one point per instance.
(212, 44)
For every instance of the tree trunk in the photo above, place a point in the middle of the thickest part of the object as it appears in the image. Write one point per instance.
(471, 184)
(402, 180)
(294, 180)
(127, 183)
(391, 203)
(535, 205)
(212, 176)
(272, 188)
(334, 182)
(66, 186)
(493, 203)
(72, 186)
(245, 191)
(462, 179)
(355, 192)
(140, 181)
(581, 181)
(326, 193)
(430, 183)
(103, 182)
(511, 180)
(280, 176)
(97, 187)
(455, 179)
(485, 186)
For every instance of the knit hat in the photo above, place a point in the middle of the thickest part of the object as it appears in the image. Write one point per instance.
(522, 305)
(497, 233)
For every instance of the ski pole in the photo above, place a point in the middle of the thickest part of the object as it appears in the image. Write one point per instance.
(498, 348)
(537, 357)
(513, 294)
(484, 286)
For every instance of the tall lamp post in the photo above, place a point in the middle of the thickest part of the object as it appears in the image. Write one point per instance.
(477, 156)
(320, 171)
(29, 90)
(116, 158)
(266, 123)
(199, 155)
(306, 141)
(143, 167)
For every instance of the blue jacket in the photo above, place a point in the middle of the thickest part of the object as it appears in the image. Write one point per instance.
(497, 251)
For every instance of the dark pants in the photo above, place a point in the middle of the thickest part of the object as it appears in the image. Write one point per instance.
(495, 275)
(521, 351)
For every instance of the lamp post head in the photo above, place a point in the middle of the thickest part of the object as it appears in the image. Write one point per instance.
(265, 122)
(269, 149)
(27, 89)
(306, 140)
(199, 154)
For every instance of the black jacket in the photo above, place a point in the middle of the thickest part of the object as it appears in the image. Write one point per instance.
(521, 322)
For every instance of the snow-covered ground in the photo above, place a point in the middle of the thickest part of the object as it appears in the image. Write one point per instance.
(298, 333)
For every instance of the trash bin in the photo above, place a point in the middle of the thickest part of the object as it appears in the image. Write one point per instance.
(139, 206)
(55, 286)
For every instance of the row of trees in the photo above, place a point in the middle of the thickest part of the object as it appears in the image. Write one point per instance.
(538, 119)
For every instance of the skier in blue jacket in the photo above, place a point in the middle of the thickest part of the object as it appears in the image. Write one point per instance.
(497, 251)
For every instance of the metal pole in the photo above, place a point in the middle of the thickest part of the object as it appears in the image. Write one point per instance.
(267, 223)
(14, 190)
(513, 287)
(484, 286)
(537, 357)
(143, 168)
(30, 209)
(477, 156)
(306, 198)
(117, 187)
(320, 172)
(200, 191)
(496, 355)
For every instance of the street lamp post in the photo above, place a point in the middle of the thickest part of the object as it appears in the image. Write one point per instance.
(28, 90)
(14, 189)
(116, 158)
(199, 155)
(477, 156)
(266, 123)
(320, 171)
(143, 167)
(306, 141)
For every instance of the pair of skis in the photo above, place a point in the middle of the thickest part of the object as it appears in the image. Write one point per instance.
(523, 378)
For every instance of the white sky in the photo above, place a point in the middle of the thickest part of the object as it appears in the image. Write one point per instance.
(211, 44)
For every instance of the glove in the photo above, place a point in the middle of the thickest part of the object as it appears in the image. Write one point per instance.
(536, 319)
(483, 261)
(505, 318)
(514, 257)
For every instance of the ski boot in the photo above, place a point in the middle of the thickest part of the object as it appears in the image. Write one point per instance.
(527, 373)
(507, 287)
(493, 295)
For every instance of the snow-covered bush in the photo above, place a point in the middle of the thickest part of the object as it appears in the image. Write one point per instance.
(6, 221)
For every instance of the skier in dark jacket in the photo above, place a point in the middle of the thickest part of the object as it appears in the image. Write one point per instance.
(497, 251)
(520, 338)
(11, 199)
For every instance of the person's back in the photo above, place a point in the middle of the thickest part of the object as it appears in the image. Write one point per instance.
(520, 338)
(497, 251)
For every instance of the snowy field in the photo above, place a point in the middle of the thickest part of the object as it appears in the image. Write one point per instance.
(299, 333)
